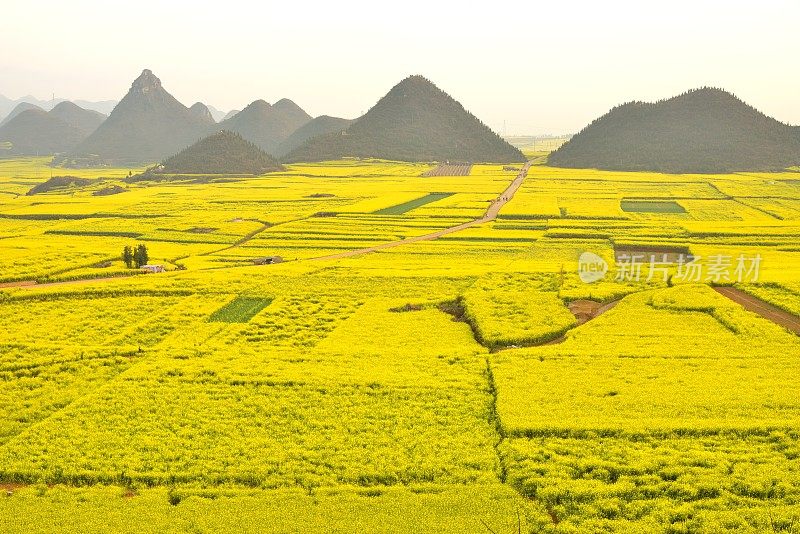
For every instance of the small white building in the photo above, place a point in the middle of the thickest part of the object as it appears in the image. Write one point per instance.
(269, 260)
(153, 268)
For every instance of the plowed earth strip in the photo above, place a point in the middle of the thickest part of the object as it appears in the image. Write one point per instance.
(764, 309)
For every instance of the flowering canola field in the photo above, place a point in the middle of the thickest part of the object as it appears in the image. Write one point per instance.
(415, 389)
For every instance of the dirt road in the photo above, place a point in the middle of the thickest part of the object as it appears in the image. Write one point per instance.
(21, 283)
(764, 309)
(490, 215)
(33, 283)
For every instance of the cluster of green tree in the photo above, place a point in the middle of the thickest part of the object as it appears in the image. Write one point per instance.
(135, 257)
(702, 131)
(415, 121)
(109, 190)
(59, 182)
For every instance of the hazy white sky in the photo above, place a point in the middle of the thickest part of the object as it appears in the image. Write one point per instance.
(536, 67)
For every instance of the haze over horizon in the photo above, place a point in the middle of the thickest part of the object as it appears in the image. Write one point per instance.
(521, 69)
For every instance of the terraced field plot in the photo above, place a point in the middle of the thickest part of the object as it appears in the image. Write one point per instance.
(240, 310)
(449, 170)
(409, 389)
(405, 207)
(640, 206)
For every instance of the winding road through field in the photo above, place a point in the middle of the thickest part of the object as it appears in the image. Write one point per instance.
(490, 215)
(749, 302)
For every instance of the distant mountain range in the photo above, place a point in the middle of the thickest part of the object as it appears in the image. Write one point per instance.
(230, 114)
(267, 125)
(7, 104)
(321, 125)
(33, 131)
(202, 112)
(415, 121)
(702, 131)
(148, 124)
(19, 108)
(85, 120)
(217, 114)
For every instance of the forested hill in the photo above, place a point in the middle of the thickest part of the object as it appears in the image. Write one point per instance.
(702, 131)
(415, 121)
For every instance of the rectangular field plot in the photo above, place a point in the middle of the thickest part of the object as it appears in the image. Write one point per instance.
(400, 209)
(449, 170)
(725, 483)
(298, 320)
(160, 432)
(699, 322)
(240, 310)
(424, 509)
(651, 206)
(32, 389)
(585, 394)
(508, 310)
(640, 380)
(375, 347)
(79, 320)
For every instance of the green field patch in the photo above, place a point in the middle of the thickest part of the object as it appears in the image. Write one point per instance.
(651, 206)
(240, 310)
(405, 207)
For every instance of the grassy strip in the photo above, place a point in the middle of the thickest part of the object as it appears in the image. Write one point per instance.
(405, 207)
(240, 310)
(649, 206)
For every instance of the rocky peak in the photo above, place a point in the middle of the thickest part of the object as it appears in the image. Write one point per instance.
(146, 82)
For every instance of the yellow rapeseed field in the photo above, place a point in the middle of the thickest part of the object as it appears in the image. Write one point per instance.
(419, 388)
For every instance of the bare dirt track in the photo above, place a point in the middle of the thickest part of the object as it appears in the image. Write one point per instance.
(584, 311)
(33, 283)
(490, 215)
(764, 309)
(21, 283)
